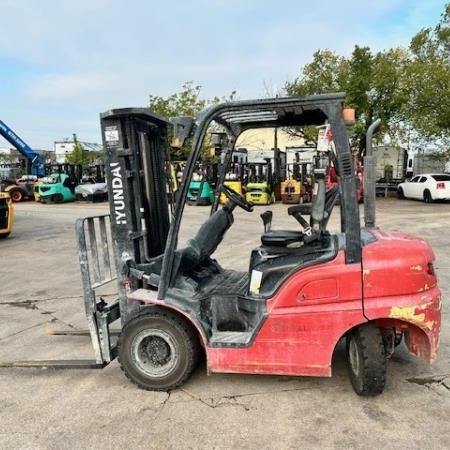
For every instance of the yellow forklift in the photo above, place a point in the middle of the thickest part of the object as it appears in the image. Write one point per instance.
(6, 214)
(233, 179)
(297, 186)
(259, 188)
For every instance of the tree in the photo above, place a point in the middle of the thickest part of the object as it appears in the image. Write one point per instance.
(80, 156)
(324, 74)
(428, 80)
(187, 102)
(372, 84)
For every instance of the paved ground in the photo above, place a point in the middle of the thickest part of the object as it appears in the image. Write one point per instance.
(43, 409)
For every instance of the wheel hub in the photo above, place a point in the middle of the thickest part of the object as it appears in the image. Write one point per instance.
(153, 352)
(157, 350)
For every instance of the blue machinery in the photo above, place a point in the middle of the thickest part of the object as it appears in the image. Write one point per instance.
(36, 162)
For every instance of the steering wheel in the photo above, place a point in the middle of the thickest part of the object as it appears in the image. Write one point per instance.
(236, 198)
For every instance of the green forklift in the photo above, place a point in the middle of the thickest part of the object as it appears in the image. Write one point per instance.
(59, 186)
(201, 191)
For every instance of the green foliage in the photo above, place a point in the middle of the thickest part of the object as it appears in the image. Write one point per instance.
(428, 79)
(84, 157)
(371, 82)
(325, 73)
(408, 89)
(187, 102)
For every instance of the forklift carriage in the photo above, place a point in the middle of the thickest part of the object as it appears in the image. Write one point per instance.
(305, 289)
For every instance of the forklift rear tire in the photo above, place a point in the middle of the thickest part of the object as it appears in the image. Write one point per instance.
(158, 351)
(366, 360)
(16, 195)
(58, 198)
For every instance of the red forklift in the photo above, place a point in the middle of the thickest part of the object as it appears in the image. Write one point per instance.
(305, 290)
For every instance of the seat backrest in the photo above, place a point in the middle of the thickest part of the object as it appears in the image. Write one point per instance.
(208, 237)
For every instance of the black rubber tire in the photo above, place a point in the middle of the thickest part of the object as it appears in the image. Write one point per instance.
(400, 194)
(175, 350)
(4, 235)
(58, 198)
(366, 360)
(427, 197)
(16, 195)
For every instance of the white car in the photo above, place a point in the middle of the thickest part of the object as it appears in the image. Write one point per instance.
(427, 187)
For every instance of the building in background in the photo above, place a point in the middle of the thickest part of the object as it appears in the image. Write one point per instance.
(65, 147)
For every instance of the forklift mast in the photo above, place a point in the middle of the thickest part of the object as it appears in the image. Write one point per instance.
(135, 142)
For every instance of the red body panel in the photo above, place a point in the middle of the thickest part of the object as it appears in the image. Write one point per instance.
(308, 315)
(318, 305)
(400, 289)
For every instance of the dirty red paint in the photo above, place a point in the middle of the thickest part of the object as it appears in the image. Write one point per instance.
(308, 315)
(316, 306)
(400, 290)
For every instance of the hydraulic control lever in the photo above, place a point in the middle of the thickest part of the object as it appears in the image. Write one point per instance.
(267, 220)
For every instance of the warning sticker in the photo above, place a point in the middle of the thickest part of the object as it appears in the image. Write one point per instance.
(255, 281)
(111, 134)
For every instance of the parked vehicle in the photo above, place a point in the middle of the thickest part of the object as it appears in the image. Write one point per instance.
(427, 187)
(419, 163)
(200, 193)
(259, 193)
(6, 214)
(201, 189)
(34, 160)
(58, 188)
(259, 189)
(22, 188)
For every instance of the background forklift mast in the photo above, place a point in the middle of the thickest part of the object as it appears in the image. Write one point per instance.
(259, 186)
(59, 184)
(201, 187)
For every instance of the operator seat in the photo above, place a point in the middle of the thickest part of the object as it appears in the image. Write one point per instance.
(277, 238)
(281, 238)
(207, 239)
(319, 218)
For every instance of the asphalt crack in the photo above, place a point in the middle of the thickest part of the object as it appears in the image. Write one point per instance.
(162, 405)
(32, 305)
(23, 331)
(233, 400)
(224, 401)
(431, 380)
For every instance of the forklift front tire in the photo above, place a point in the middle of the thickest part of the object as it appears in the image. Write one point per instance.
(58, 198)
(366, 360)
(158, 351)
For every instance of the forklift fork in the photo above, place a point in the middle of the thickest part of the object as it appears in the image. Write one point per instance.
(97, 270)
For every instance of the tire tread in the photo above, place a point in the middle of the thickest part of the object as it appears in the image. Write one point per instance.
(184, 327)
(373, 356)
